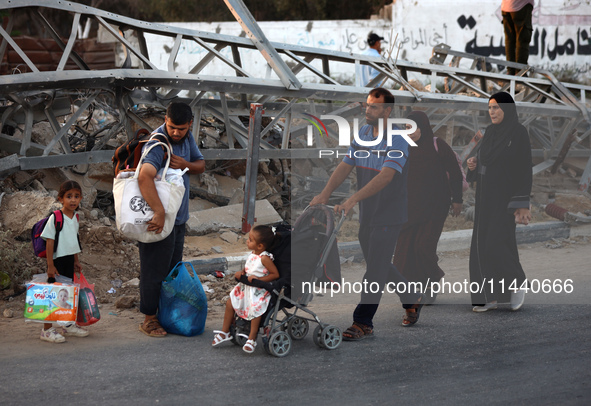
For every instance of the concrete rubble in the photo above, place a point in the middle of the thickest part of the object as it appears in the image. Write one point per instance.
(212, 220)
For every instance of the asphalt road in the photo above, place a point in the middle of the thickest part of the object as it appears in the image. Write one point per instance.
(539, 355)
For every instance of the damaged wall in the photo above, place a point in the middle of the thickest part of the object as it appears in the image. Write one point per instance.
(561, 38)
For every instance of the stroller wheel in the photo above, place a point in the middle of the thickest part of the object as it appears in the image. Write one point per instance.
(316, 336)
(239, 332)
(279, 344)
(331, 337)
(297, 328)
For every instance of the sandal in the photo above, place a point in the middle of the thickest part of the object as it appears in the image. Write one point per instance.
(220, 337)
(357, 332)
(411, 317)
(249, 346)
(153, 328)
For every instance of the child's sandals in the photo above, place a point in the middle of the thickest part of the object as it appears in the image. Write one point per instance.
(249, 346)
(220, 337)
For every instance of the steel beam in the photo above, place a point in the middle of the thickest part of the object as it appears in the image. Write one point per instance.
(252, 166)
(546, 107)
(254, 32)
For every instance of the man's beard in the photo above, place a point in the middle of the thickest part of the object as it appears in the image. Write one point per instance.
(372, 121)
(173, 141)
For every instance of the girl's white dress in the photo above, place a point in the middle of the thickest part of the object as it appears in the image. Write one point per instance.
(250, 302)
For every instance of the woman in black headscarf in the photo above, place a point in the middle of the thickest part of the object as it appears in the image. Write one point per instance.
(503, 175)
(431, 191)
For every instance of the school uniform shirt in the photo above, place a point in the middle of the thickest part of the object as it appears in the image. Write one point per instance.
(388, 207)
(68, 241)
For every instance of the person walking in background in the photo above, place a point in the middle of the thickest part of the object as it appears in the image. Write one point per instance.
(517, 15)
(365, 73)
(503, 174)
(434, 183)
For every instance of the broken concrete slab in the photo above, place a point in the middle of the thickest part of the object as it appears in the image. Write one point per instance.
(276, 201)
(212, 220)
(229, 236)
(237, 197)
(216, 184)
(198, 204)
(215, 188)
(103, 173)
(21, 210)
(263, 187)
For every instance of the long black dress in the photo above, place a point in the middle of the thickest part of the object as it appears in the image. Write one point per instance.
(504, 179)
(430, 194)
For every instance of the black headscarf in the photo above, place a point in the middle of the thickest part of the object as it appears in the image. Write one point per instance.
(427, 185)
(424, 125)
(498, 136)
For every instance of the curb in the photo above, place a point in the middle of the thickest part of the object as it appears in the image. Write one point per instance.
(449, 241)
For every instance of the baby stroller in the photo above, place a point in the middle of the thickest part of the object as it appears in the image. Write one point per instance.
(310, 250)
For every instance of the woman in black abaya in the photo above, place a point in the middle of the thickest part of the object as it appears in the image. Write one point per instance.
(431, 192)
(503, 175)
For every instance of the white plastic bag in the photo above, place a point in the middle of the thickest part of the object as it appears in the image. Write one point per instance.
(174, 176)
(132, 211)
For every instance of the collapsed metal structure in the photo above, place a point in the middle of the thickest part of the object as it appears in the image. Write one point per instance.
(558, 121)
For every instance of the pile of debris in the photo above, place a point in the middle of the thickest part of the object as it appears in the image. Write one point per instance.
(109, 260)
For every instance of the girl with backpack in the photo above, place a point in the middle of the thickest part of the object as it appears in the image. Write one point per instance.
(63, 258)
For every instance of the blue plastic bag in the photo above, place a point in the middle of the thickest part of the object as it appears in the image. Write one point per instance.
(183, 304)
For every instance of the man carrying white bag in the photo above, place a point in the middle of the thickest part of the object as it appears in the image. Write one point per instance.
(134, 213)
(158, 258)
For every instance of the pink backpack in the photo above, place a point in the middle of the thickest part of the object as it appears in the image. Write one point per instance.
(39, 245)
(465, 184)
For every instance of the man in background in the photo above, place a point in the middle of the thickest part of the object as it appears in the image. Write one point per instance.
(365, 73)
(518, 30)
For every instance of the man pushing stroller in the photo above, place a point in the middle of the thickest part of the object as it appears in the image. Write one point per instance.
(381, 194)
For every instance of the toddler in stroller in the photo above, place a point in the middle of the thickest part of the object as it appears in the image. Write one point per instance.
(246, 301)
(315, 258)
